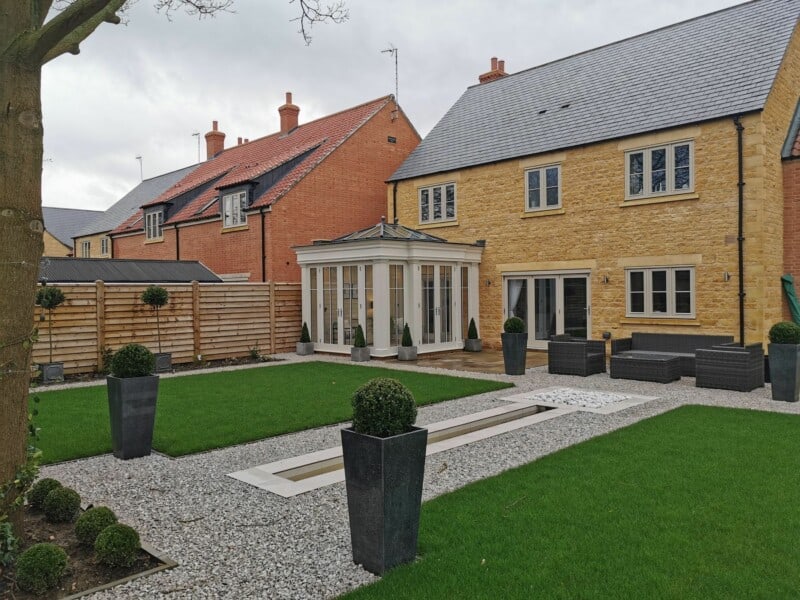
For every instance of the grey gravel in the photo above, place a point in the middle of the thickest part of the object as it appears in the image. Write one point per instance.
(232, 540)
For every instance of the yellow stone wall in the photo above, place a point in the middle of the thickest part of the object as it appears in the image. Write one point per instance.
(599, 231)
(53, 247)
(94, 248)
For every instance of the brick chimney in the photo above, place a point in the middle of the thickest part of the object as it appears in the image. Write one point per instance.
(288, 113)
(497, 71)
(215, 141)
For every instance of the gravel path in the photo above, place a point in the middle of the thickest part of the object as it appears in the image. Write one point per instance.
(232, 540)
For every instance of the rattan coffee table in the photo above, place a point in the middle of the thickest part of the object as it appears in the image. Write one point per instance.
(646, 367)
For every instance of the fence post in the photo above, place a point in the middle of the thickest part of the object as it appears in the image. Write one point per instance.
(196, 318)
(100, 321)
(272, 328)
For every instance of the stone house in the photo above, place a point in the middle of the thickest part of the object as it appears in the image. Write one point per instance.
(639, 186)
(60, 225)
(242, 210)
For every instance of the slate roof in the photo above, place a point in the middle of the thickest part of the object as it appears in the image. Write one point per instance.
(115, 270)
(387, 231)
(129, 204)
(713, 66)
(63, 223)
(296, 153)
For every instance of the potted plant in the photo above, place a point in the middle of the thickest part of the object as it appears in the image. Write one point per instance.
(305, 346)
(473, 342)
(359, 352)
(784, 361)
(384, 465)
(155, 297)
(132, 394)
(50, 298)
(407, 350)
(515, 343)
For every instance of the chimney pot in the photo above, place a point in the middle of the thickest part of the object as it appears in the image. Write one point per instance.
(214, 125)
(239, 141)
(288, 97)
(501, 66)
(497, 71)
(494, 63)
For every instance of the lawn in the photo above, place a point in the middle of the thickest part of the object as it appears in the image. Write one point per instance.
(699, 502)
(214, 410)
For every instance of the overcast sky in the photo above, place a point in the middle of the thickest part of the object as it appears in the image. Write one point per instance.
(142, 89)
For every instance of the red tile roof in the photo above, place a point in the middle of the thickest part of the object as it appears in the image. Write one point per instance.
(245, 162)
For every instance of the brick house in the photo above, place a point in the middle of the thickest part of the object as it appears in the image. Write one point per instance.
(242, 210)
(606, 185)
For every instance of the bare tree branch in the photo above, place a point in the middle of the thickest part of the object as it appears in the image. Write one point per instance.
(201, 8)
(312, 12)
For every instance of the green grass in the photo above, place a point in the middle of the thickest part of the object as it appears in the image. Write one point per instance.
(214, 410)
(697, 503)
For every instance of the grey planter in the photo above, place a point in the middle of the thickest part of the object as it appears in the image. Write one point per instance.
(406, 353)
(132, 411)
(163, 362)
(305, 348)
(784, 371)
(359, 354)
(384, 477)
(515, 346)
(52, 372)
(473, 345)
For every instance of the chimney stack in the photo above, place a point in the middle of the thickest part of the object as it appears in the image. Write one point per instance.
(497, 71)
(288, 113)
(215, 141)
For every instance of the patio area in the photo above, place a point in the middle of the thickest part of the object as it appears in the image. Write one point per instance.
(486, 361)
(233, 540)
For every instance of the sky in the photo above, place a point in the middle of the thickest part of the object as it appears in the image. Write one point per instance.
(143, 88)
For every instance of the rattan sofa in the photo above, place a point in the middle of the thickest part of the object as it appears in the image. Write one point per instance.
(568, 356)
(681, 345)
(731, 367)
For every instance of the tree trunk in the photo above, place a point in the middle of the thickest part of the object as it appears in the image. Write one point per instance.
(20, 247)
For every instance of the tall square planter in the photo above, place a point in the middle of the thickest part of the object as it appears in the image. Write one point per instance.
(515, 347)
(163, 362)
(784, 371)
(359, 354)
(52, 372)
(304, 348)
(132, 411)
(384, 491)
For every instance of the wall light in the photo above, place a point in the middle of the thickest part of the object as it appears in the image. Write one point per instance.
(605, 278)
(726, 276)
(488, 282)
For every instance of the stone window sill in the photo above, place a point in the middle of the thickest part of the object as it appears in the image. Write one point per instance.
(660, 200)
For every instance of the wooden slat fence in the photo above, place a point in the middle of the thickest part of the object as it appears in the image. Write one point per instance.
(214, 321)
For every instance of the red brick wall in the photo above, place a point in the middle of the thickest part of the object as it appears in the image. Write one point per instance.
(791, 224)
(345, 193)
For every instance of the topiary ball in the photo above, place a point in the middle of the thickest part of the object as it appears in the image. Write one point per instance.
(785, 332)
(61, 505)
(40, 567)
(514, 325)
(39, 491)
(383, 407)
(92, 522)
(155, 296)
(117, 545)
(133, 360)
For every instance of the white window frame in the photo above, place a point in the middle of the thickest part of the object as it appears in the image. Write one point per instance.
(542, 188)
(647, 159)
(671, 293)
(154, 225)
(443, 191)
(234, 209)
(104, 245)
(86, 249)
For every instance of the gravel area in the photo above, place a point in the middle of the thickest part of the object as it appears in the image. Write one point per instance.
(232, 540)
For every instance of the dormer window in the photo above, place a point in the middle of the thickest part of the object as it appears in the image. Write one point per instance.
(233, 209)
(154, 224)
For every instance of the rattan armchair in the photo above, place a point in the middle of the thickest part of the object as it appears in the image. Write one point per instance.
(576, 356)
(730, 367)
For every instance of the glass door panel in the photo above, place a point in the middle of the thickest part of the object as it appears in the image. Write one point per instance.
(544, 307)
(576, 315)
(349, 304)
(369, 296)
(330, 305)
(517, 293)
(446, 303)
(428, 305)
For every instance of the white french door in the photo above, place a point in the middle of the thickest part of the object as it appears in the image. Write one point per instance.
(438, 306)
(341, 307)
(549, 304)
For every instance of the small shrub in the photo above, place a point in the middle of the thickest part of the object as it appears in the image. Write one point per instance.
(61, 505)
(514, 325)
(255, 352)
(117, 545)
(40, 490)
(305, 338)
(133, 360)
(383, 407)
(472, 330)
(9, 545)
(40, 567)
(785, 332)
(407, 341)
(92, 522)
(360, 342)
